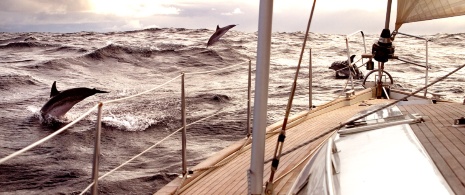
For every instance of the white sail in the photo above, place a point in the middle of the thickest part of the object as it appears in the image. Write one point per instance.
(420, 10)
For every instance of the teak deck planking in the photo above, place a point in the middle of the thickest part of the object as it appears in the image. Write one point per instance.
(232, 177)
(444, 143)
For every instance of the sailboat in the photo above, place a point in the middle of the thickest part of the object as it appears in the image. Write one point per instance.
(379, 140)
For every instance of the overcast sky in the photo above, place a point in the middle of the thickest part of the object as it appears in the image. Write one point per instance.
(331, 16)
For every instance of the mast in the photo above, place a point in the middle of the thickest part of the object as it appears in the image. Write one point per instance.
(383, 50)
(255, 174)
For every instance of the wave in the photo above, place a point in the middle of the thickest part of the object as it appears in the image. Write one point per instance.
(131, 122)
(115, 51)
(18, 39)
(11, 81)
(26, 44)
(57, 64)
(128, 122)
(68, 49)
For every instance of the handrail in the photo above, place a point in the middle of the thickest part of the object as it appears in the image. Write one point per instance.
(90, 110)
(426, 60)
(146, 150)
(74, 122)
(348, 54)
(98, 127)
(142, 93)
(4, 159)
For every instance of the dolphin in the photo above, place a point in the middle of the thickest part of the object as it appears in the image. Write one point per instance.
(61, 102)
(218, 33)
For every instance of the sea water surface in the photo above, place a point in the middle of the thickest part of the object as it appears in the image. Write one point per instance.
(127, 63)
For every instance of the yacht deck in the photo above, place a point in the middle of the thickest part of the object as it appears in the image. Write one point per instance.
(444, 143)
(232, 177)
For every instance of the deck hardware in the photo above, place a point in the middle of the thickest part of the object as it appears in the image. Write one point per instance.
(356, 124)
(349, 93)
(275, 163)
(460, 121)
(269, 188)
(281, 137)
(438, 96)
(370, 65)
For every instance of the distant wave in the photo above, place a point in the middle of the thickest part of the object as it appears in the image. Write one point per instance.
(18, 45)
(11, 81)
(18, 39)
(114, 51)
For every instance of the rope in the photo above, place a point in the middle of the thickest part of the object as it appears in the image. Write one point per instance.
(112, 101)
(366, 114)
(210, 71)
(282, 136)
(146, 150)
(144, 92)
(351, 65)
(184, 177)
(208, 169)
(74, 122)
(48, 137)
(227, 159)
(298, 164)
(343, 90)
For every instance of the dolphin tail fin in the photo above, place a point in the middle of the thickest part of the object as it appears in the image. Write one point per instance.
(54, 90)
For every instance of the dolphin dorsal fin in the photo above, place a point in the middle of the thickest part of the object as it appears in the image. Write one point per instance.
(217, 27)
(54, 91)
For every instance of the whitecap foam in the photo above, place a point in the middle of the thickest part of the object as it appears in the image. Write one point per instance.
(128, 122)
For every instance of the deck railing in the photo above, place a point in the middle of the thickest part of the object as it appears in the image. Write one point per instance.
(99, 107)
(348, 54)
(426, 66)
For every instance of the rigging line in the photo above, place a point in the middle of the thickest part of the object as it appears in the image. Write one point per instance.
(146, 150)
(87, 113)
(144, 92)
(312, 152)
(343, 90)
(210, 71)
(228, 159)
(282, 135)
(365, 115)
(184, 177)
(207, 170)
(48, 137)
(353, 64)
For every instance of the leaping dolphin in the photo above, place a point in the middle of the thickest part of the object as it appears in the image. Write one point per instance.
(61, 102)
(218, 33)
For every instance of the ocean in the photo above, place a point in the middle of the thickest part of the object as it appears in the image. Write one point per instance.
(130, 62)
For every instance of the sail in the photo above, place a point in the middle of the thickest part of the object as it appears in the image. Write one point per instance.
(420, 10)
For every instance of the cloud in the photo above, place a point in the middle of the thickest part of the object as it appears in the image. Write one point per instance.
(338, 16)
(236, 11)
(44, 6)
(133, 8)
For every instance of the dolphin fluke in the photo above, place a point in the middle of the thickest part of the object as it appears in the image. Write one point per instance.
(61, 102)
(218, 33)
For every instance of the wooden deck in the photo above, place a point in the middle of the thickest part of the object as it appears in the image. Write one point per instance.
(232, 177)
(444, 143)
